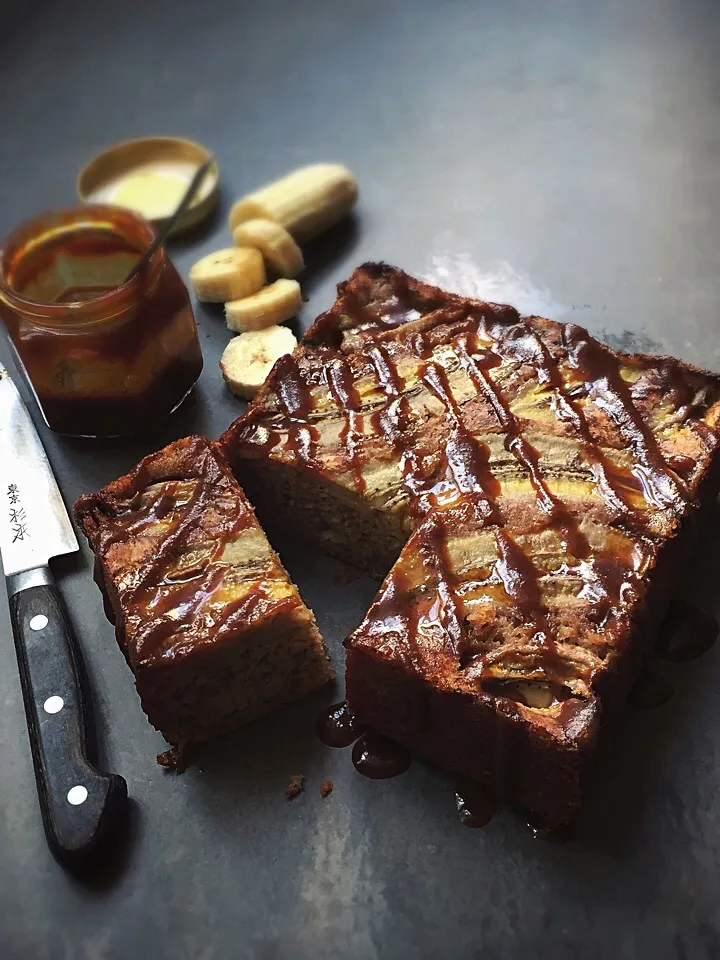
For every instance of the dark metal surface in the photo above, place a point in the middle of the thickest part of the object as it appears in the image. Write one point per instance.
(561, 155)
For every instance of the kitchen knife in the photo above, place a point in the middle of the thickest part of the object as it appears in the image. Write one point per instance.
(78, 802)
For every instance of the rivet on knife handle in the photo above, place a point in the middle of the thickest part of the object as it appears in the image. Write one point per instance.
(78, 802)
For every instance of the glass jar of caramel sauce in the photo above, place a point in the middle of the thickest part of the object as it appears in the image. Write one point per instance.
(104, 357)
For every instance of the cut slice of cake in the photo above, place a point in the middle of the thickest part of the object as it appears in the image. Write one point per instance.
(547, 485)
(209, 622)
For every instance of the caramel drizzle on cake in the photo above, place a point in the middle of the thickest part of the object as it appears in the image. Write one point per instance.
(342, 387)
(160, 597)
(600, 372)
(296, 402)
(468, 461)
(471, 493)
(515, 443)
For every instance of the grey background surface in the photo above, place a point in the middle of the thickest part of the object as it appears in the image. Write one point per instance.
(559, 155)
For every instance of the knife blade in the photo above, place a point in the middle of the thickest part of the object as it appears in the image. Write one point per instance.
(79, 803)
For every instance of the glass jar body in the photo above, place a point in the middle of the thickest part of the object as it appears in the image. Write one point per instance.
(104, 358)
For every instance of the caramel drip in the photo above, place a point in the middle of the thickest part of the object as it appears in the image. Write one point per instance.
(387, 373)
(296, 401)
(393, 420)
(522, 450)
(172, 607)
(337, 726)
(476, 803)
(257, 604)
(257, 431)
(446, 610)
(520, 582)
(603, 575)
(179, 608)
(206, 489)
(681, 464)
(348, 400)
(161, 607)
(467, 459)
(473, 476)
(379, 758)
(396, 607)
(190, 515)
(600, 371)
(525, 346)
(397, 610)
(119, 526)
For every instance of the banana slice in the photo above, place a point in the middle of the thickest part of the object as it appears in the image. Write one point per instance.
(249, 358)
(228, 274)
(275, 244)
(273, 304)
(305, 202)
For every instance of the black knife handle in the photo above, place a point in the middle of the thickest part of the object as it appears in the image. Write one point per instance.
(78, 802)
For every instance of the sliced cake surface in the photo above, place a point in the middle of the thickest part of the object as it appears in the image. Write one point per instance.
(323, 446)
(540, 484)
(213, 629)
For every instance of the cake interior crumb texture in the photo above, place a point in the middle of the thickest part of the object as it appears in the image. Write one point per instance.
(209, 621)
(527, 492)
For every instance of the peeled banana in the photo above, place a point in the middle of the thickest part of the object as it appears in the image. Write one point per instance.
(272, 305)
(275, 244)
(249, 358)
(305, 202)
(228, 274)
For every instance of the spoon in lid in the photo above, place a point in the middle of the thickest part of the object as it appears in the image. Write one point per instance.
(185, 202)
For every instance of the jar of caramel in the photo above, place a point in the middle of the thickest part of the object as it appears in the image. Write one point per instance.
(104, 357)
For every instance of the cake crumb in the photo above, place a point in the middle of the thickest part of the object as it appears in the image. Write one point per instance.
(174, 759)
(295, 787)
(326, 789)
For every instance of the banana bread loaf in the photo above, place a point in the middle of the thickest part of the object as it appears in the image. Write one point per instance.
(539, 490)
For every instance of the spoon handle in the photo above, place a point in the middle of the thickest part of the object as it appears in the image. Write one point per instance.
(162, 236)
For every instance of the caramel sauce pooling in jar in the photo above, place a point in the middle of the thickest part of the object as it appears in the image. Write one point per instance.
(103, 357)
